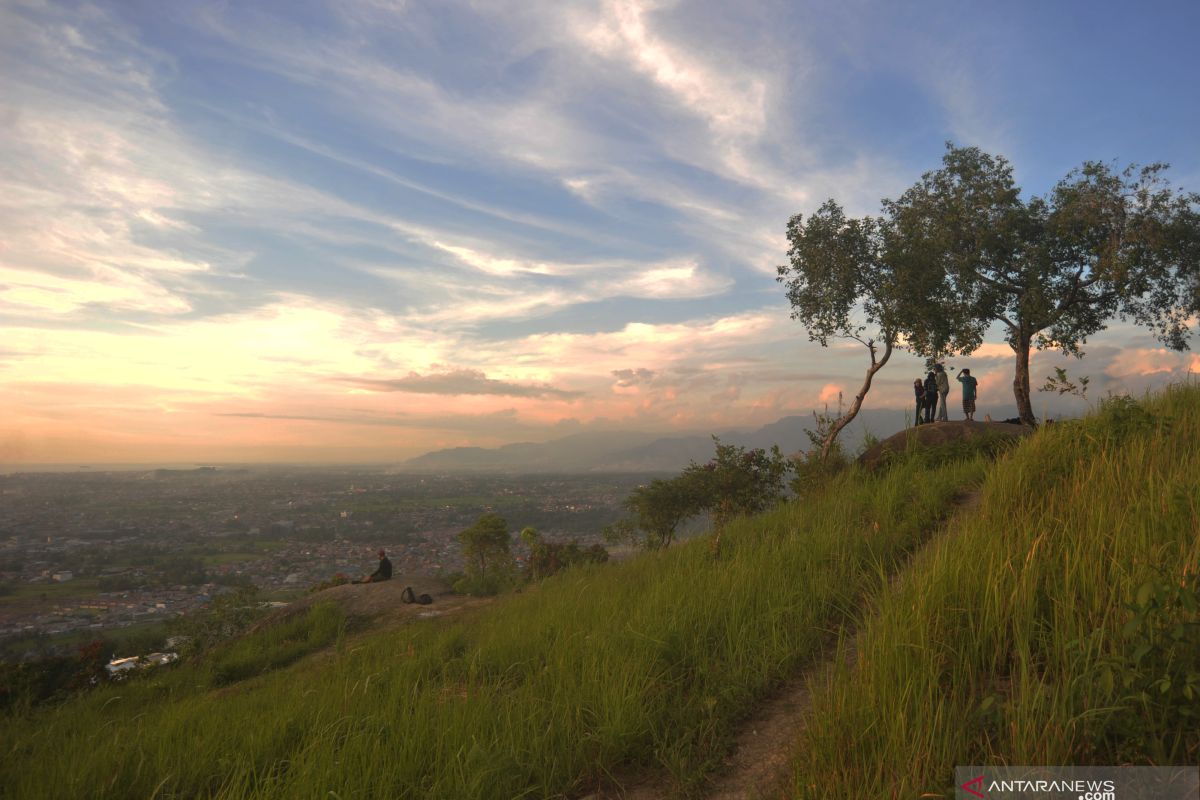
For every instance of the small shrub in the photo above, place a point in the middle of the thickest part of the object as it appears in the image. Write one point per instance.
(279, 645)
(546, 557)
(1152, 679)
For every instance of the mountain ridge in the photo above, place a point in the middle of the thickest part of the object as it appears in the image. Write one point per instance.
(643, 451)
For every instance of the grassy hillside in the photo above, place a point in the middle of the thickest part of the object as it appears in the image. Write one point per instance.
(1010, 639)
(1058, 624)
(646, 662)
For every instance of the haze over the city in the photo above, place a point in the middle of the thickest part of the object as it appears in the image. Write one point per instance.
(362, 230)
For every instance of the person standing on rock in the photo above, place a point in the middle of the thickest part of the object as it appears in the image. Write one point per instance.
(968, 388)
(931, 396)
(943, 388)
(919, 391)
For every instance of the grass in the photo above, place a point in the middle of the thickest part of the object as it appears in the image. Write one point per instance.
(27, 597)
(1056, 625)
(278, 645)
(642, 664)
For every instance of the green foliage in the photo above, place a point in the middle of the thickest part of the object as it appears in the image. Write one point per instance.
(824, 422)
(1054, 624)
(989, 647)
(547, 558)
(919, 456)
(811, 473)
(277, 645)
(487, 553)
(340, 579)
(27, 684)
(1052, 270)
(1061, 383)
(647, 663)
(737, 481)
(657, 510)
(1151, 670)
(837, 274)
(182, 569)
(226, 616)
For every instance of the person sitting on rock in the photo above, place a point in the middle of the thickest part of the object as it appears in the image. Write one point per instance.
(384, 573)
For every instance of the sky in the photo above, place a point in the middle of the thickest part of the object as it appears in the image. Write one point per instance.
(360, 230)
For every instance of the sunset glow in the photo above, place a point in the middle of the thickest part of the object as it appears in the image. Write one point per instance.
(362, 231)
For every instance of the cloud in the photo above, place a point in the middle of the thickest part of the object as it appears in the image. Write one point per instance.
(666, 281)
(360, 420)
(458, 382)
(731, 103)
(830, 393)
(633, 377)
(1143, 361)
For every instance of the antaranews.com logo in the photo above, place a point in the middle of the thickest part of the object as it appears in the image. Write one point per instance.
(1077, 783)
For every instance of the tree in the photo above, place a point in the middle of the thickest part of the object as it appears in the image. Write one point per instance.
(486, 551)
(736, 482)
(1051, 271)
(842, 282)
(546, 557)
(657, 509)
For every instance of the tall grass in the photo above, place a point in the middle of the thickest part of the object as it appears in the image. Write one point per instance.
(603, 669)
(1057, 624)
(278, 645)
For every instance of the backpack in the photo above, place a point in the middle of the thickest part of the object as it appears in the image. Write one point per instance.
(408, 595)
(424, 600)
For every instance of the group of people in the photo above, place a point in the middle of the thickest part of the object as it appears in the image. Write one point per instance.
(931, 395)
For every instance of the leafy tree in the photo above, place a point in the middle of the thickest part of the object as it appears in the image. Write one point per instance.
(547, 557)
(1052, 270)
(657, 509)
(736, 482)
(32, 683)
(486, 549)
(843, 282)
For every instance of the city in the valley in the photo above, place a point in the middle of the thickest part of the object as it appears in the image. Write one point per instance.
(92, 552)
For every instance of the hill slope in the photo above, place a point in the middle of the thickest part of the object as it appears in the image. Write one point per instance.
(649, 663)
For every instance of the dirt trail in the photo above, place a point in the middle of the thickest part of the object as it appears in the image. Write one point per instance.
(757, 767)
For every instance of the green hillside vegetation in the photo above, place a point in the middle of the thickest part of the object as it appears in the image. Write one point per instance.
(1028, 633)
(1057, 624)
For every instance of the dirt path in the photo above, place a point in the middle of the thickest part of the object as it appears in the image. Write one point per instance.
(757, 767)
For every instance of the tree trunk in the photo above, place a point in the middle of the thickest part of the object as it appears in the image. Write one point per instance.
(849, 416)
(1021, 380)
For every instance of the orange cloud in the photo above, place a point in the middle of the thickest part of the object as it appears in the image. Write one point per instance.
(1151, 361)
(830, 393)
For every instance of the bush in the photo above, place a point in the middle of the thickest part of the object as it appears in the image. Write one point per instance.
(546, 558)
(279, 645)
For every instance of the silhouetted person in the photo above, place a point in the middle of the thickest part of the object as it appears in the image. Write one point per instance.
(384, 573)
(919, 391)
(931, 396)
(968, 387)
(943, 387)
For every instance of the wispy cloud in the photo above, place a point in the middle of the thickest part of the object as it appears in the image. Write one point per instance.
(457, 382)
(480, 218)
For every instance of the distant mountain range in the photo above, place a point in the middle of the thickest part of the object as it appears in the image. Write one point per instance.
(634, 451)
